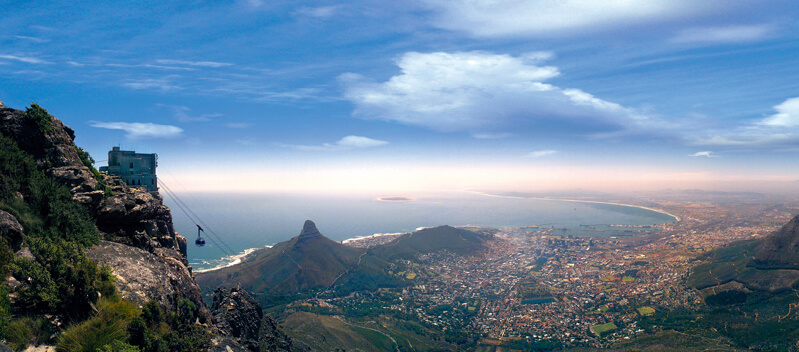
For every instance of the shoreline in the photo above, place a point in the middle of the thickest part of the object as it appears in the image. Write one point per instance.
(676, 218)
(238, 258)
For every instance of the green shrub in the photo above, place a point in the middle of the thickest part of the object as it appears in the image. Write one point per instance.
(108, 327)
(39, 118)
(25, 331)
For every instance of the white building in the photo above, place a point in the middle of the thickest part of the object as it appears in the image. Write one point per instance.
(136, 169)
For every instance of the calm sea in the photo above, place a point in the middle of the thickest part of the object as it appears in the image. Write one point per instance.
(236, 223)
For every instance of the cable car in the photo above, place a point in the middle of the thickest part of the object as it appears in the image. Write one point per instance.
(199, 241)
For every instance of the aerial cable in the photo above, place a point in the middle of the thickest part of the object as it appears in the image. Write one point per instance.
(209, 230)
(214, 237)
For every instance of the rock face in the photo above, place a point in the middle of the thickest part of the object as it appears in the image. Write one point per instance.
(240, 317)
(143, 276)
(237, 314)
(10, 229)
(129, 215)
(780, 250)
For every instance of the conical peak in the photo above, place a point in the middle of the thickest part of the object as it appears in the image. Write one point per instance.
(309, 229)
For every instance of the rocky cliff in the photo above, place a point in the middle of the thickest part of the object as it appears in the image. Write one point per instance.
(148, 257)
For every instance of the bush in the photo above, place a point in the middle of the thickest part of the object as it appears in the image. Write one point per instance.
(39, 118)
(108, 327)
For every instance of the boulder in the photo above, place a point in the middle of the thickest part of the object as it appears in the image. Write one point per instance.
(143, 276)
(11, 229)
(238, 315)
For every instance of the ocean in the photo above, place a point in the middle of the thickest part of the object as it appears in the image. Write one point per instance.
(239, 223)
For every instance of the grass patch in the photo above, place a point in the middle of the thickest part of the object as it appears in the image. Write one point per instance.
(602, 329)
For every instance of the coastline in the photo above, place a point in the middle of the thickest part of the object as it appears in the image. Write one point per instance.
(238, 258)
(676, 218)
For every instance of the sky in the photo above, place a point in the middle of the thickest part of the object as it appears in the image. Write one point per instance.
(390, 97)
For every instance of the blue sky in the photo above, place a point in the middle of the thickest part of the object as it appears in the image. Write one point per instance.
(426, 94)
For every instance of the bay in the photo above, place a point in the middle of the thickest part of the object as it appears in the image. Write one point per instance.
(236, 223)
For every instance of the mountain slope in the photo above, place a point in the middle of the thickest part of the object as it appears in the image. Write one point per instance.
(768, 264)
(307, 261)
(431, 240)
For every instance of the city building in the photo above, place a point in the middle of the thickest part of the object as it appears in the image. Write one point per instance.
(136, 169)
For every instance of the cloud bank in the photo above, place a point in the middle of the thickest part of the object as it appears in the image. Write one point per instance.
(480, 92)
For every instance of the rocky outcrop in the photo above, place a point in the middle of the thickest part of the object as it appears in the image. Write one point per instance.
(10, 229)
(143, 276)
(126, 215)
(53, 148)
(238, 315)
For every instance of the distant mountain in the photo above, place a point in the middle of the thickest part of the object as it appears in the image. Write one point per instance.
(312, 262)
(431, 240)
(307, 261)
(768, 264)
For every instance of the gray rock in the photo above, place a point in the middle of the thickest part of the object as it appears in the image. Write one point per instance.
(143, 276)
(238, 315)
(11, 229)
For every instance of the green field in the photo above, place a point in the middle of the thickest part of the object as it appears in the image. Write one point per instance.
(603, 328)
(646, 311)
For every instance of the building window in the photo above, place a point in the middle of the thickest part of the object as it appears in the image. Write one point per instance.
(131, 165)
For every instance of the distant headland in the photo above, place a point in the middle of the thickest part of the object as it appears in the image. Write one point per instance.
(394, 199)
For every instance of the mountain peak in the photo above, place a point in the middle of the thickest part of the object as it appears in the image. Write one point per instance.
(309, 230)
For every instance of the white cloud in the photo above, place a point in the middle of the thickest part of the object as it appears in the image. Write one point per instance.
(32, 39)
(787, 114)
(211, 64)
(777, 130)
(500, 135)
(541, 153)
(25, 59)
(162, 84)
(237, 125)
(727, 34)
(475, 91)
(319, 12)
(498, 18)
(137, 130)
(707, 154)
(346, 143)
(182, 114)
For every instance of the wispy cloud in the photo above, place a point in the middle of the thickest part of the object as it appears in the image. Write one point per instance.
(182, 114)
(476, 91)
(25, 59)
(238, 125)
(542, 153)
(707, 154)
(346, 143)
(726, 34)
(776, 131)
(161, 84)
(211, 64)
(137, 130)
(502, 18)
(500, 135)
(32, 39)
(319, 12)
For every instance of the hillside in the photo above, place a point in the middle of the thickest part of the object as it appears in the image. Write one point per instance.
(431, 240)
(770, 264)
(309, 261)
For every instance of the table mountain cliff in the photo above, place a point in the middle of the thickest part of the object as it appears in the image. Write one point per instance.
(59, 216)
